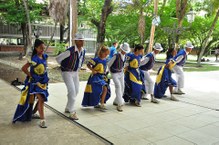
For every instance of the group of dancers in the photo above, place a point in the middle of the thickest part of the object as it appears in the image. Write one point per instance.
(129, 71)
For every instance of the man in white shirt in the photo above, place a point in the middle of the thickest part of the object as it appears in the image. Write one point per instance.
(147, 63)
(180, 59)
(71, 61)
(116, 67)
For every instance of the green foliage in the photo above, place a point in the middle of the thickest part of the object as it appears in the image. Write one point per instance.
(122, 24)
(191, 67)
(13, 11)
(120, 28)
(60, 47)
(90, 9)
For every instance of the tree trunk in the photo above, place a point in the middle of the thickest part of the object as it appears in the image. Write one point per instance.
(24, 32)
(53, 33)
(141, 26)
(180, 14)
(29, 30)
(207, 38)
(61, 33)
(101, 26)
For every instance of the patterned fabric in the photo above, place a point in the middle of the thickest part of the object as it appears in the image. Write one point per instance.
(163, 81)
(118, 64)
(72, 63)
(37, 84)
(134, 86)
(95, 83)
(150, 63)
(181, 53)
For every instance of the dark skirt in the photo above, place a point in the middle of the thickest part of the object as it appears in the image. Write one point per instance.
(166, 81)
(94, 88)
(134, 86)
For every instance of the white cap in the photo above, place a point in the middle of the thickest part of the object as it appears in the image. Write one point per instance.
(189, 45)
(79, 36)
(125, 47)
(158, 47)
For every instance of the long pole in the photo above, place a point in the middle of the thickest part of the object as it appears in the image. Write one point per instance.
(151, 42)
(73, 21)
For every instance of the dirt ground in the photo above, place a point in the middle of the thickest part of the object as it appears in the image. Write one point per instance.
(10, 73)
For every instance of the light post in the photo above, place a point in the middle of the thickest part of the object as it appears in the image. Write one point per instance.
(174, 30)
(190, 16)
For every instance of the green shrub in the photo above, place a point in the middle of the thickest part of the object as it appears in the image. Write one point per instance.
(60, 47)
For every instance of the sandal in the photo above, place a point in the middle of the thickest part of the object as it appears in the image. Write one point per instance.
(43, 124)
(35, 116)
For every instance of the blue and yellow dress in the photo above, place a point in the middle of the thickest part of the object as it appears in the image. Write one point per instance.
(134, 86)
(37, 84)
(164, 80)
(96, 82)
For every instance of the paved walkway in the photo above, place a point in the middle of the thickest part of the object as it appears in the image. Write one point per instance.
(59, 132)
(192, 120)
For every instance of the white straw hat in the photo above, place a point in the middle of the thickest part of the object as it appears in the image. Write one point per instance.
(158, 47)
(79, 36)
(125, 47)
(189, 45)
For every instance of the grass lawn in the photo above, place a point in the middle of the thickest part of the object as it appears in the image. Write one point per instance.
(191, 64)
(83, 75)
(189, 67)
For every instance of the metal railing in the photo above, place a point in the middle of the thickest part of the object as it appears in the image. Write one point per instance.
(14, 31)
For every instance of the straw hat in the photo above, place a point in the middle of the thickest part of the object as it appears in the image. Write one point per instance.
(125, 47)
(189, 45)
(158, 47)
(79, 36)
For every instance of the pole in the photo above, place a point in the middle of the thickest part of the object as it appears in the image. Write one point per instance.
(73, 21)
(151, 42)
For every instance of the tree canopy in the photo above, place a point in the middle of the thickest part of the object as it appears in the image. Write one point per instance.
(122, 23)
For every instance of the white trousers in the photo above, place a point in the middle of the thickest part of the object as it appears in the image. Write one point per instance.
(118, 79)
(149, 83)
(71, 80)
(178, 70)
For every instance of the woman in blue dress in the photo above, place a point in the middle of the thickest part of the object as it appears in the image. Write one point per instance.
(97, 90)
(35, 86)
(171, 52)
(133, 77)
(164, 80)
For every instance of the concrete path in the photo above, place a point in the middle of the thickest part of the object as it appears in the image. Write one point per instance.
(59, 132)
(192, 120)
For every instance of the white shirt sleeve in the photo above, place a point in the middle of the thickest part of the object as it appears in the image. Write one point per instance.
(111, 61)
(62, 56)
(144, 60)
(178, 59)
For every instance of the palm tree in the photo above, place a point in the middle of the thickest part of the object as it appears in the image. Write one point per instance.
(29, 39)
(141, 5)
(58, 12)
